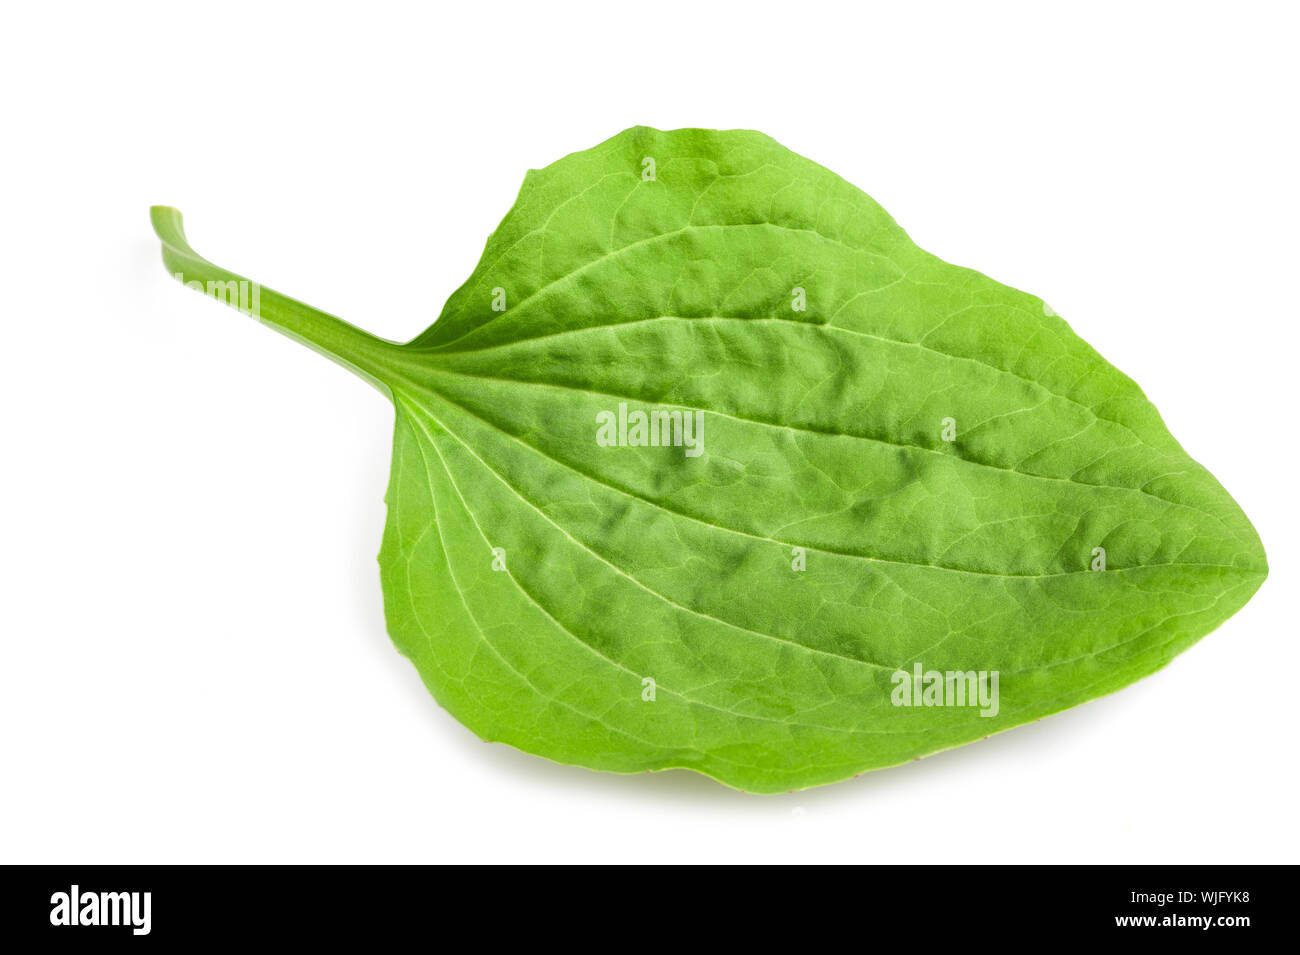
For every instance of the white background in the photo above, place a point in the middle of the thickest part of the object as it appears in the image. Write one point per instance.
(194, 665)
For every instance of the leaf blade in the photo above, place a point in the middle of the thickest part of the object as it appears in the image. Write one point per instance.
(520, 389)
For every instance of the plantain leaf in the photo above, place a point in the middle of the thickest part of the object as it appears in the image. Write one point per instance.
(708, 466)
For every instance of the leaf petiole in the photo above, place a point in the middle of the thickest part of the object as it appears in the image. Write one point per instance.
(367, 355)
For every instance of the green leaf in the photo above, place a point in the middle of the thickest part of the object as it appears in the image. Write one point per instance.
(894, 464)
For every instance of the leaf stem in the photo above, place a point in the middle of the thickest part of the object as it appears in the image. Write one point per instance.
(369, 356)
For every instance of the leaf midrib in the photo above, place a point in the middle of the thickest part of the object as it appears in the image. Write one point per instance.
(442, 370)
(438, 395)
